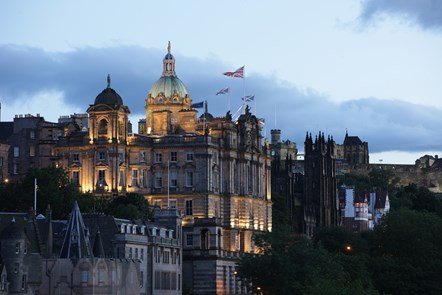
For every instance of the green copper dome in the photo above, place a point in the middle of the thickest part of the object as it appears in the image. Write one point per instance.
(168, 86)
(169, 83)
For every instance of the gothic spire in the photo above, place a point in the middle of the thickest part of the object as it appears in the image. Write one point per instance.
(76, 240)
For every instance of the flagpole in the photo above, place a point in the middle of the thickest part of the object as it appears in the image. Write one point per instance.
(168, 184)
(35, 196)
(228, 97)
(244, 88)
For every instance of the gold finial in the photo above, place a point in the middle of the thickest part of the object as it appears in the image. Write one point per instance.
(168, 47)
(108, 80)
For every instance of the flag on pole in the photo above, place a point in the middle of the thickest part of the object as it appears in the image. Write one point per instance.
(197, 105)
(248, 98)
(239, 73)
(223, 91)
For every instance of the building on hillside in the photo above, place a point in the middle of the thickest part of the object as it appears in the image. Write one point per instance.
(321, 207)
(361, 209)
(309, 184)
(355, 151)
(214, 169)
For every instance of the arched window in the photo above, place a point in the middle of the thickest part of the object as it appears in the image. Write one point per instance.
(102, 127)
(205, 239)
(175, 100)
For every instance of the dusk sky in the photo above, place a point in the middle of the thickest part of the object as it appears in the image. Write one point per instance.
(371, 67)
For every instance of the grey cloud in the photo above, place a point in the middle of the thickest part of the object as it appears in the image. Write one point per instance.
(81, 75)
(425, 13)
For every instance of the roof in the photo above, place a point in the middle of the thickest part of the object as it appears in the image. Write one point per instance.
(76, 240)
(381, 199)
(168, 86)
(352, 140)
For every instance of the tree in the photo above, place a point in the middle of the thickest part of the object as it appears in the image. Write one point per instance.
(54, 189)
(131, 206)
(406, 253)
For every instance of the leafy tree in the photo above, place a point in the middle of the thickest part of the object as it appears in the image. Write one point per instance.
(131, 206)
(406, 253)
(54, 189)
(416, 198)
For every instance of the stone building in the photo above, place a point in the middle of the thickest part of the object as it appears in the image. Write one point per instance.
(309, 185)
(213, 169)
(355, 151)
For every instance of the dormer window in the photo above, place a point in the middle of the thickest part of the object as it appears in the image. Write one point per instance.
(160, 100)
(175, 100)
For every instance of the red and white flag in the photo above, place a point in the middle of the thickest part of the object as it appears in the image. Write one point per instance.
(239, 73)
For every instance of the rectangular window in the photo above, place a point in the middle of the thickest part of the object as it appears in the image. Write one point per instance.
(76, 158)
(31, 134)
(17, 248)
(1, 161)
(158, 157)
(130, 253)
(189, 240)
(166, 257)
(136, 253)
(16, 152)
(101, 156)
(23, 282)
(158, 180)
(134, 177)
(157, 280)
(16, 267)
(101, 276)
(143, 178)
(189, 157)
(189, 178)
(173, 281)
(122, 182)
(101, 176)
(172, 204)
(76, 177)
(189, 209)
(15, 168)
(173, 156)
(32, 151)
(141, 279)
(142, 254)
(173, 179)
(84, 276)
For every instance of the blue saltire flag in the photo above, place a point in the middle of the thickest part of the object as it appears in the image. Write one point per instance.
(223, 91)
(197, 105)
(248, 98)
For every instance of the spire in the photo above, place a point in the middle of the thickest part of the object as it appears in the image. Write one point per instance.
(108, 81)
(168, 64)
(98, 246)
(76, 240)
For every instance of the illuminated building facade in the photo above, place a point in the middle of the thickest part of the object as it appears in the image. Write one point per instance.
(214, 169)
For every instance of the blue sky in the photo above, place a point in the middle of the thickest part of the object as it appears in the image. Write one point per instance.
(371, 67)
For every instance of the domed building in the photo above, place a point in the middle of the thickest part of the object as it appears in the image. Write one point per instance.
(213, 170)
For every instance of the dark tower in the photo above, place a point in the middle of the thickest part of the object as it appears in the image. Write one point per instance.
(320, 203)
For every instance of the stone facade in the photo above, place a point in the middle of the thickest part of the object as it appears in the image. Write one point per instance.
(213, 169)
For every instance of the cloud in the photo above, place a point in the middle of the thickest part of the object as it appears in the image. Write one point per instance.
(53, 84)
(425, 13)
